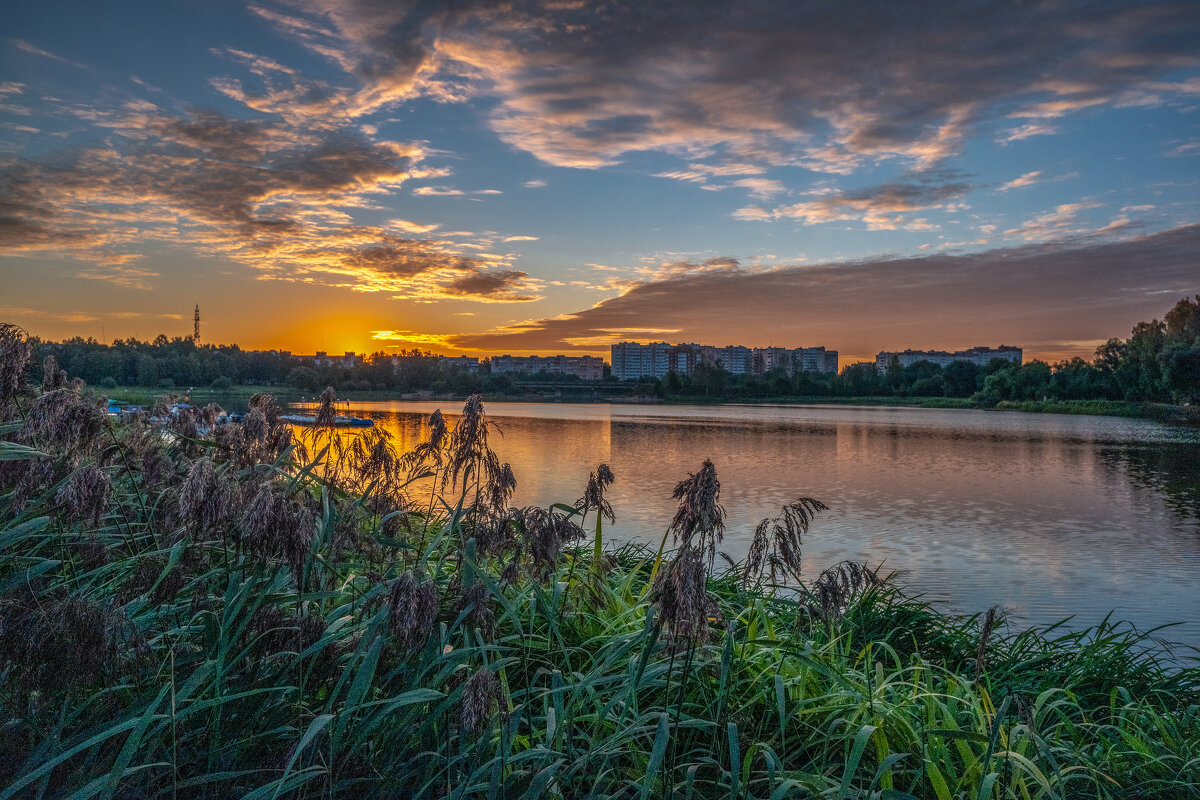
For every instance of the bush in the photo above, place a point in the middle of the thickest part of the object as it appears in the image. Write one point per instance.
(109, 382)
(166, 383)
(221, 382)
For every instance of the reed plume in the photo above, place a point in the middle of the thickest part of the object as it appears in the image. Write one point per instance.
(985, 634)
(500, 488)
(681, 592)
(84, 496)
(326, 416)
(53, 377)
(470, 456)
(775, 548)
(432, 451)
(838, 586)
(278, 527)
(700, 515)
(480, 700)
(66, 420)
(39, 635)
(412, 610)
(15, 353)
(593, 494)
(206, 499)
(546, 532)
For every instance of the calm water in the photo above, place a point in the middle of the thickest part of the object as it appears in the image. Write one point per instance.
(1047, 515)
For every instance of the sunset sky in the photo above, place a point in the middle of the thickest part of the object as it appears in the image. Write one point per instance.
(491, 178)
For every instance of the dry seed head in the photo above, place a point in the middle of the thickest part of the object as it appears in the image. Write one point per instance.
(700, 513)
(66, 420)
(775, 548)
(36, 476)
(52, 376)
(470, 455)
(15, 352)
(413, 610)
(326, 411)
(837, 587)
(546, 532)
(500, 488)
(206, 500)
(474, 601)
(210, 413)
(40, 633)
(494, 535)
(681, 591)
(480, 700)
(266, 404)
(593, 495)
(85, 494)
(278, 527)
(985, 633)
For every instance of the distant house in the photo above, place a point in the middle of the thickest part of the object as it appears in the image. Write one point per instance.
(323, 359)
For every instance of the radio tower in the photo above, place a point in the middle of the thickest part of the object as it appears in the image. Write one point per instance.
(196, 325)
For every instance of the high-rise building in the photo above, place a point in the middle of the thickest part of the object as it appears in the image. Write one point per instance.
(735, 359)
(815, 359)
(631, 360)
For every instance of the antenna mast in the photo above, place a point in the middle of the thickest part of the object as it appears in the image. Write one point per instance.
(196, 324)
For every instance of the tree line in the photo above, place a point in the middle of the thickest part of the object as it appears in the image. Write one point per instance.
(1159, 362)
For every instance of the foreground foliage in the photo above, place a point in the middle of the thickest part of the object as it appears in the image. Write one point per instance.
(199, 610)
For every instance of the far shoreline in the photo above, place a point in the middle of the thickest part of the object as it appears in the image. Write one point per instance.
(1158, 412)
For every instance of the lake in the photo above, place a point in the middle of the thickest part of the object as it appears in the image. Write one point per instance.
(1048, 515)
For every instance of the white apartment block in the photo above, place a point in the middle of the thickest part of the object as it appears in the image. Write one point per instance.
(631, 360)
(980, 356)
(588, 368)
(735, 359)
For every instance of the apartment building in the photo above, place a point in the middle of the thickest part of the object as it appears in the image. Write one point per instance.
(588, 368)
(980, 356)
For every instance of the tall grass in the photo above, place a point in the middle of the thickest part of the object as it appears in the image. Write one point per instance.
(189, 610)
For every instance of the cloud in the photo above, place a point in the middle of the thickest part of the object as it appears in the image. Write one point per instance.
(587, 85)
(881, 207)
(763, 188)
(535, 184)
(261, 193)
(437, 191)
(447, 191)
(1062, 221)
(1026, 131)
(1027, 296)
(501, 285)
(1028, 179)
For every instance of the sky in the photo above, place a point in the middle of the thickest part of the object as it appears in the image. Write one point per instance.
(487, 178)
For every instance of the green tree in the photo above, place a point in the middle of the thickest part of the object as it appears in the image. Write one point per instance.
(304, 378)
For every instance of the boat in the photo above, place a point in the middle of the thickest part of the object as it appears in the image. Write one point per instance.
(338, 421)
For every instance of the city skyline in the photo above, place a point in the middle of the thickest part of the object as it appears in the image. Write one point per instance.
(341, 175)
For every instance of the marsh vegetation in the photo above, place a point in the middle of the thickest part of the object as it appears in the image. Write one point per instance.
(190, 609)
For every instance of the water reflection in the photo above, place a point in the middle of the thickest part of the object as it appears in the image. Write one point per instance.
(1048, 515)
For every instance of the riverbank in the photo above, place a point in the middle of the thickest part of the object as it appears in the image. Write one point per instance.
(239, 396)
(266, 632)
(1160, 412)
